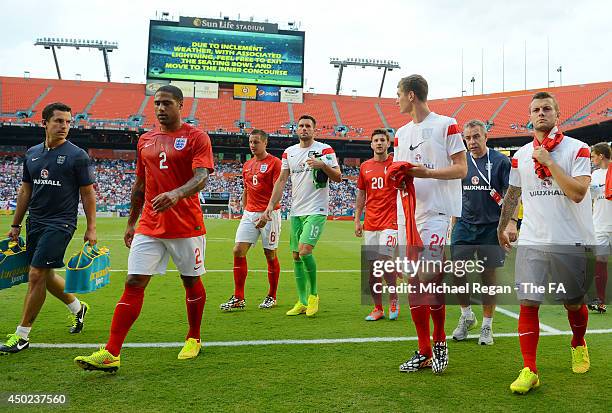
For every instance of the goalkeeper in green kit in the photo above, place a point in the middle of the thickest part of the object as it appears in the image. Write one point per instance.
(310, 164)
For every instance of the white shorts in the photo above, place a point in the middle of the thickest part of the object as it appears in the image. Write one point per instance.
(434, 234)
(603, 243)
(150, 255)
(543, 266)
(385, 240)
(270, 234)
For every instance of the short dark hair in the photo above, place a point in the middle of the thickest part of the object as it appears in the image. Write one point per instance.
(381, 131)
(602, 148)
(314, 122)
(263, 135)
(47, 112)
(416, 84)
(173, 90)
(546, 95)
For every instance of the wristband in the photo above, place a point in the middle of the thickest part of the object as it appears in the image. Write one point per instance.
(15, 226)
(514, 219)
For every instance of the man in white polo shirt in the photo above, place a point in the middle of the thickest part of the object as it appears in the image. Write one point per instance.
(552, 176)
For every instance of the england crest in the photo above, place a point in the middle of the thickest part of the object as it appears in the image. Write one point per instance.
(263, 167)
(61, 159)
(180, 143)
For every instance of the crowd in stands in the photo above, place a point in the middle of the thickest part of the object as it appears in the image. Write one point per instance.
(114, 180)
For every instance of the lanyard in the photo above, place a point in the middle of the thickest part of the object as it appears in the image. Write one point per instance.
(488, 168)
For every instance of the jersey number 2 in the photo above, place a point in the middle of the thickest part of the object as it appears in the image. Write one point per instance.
(162, 160)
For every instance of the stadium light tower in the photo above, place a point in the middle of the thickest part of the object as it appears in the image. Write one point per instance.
(560, 70)
(102, 45)
(340, 64)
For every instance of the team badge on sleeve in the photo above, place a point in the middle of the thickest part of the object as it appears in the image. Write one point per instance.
(180, 143)
(263, 167)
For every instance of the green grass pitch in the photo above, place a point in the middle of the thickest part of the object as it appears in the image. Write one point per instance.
(285, 377)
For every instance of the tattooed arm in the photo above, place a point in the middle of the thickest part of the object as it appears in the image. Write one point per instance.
(511, 200)
(167, 200)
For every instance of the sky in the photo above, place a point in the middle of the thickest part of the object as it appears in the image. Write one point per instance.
(425, 37)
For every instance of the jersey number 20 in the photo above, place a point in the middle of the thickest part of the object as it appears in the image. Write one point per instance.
(378, 182)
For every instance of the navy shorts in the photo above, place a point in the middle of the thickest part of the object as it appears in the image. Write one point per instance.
(477, 240)
(46, 246)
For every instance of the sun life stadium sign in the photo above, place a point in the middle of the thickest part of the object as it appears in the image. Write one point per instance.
(222, 24)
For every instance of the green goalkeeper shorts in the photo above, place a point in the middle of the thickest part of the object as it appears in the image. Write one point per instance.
(306, 229)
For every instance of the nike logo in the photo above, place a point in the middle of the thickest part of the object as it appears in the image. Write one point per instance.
(35, 159)
(49, 262)
(149, 144)
(368, 171)
(524, 334)
(415, 307)
(191, 301)
(21, 346)
(123, 304)
(412, 148)
(196, 268)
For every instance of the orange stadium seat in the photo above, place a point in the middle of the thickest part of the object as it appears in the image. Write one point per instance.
(319, 107)
(268, 116)
(117, 101)
(219, 113)
(20, 94)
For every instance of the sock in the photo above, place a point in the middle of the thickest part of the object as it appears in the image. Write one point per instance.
(273, 275)
(578, 321)
(487, 321)
(23, 332)
(240, 274)
(438, 316)
(420, 317)
(127, 311)
(301, 281)
(466, 311)
(529, 334)
(311, 270)
(390, 279)
(376, 296)
(601, 280)
(195, 298)
(74, 306)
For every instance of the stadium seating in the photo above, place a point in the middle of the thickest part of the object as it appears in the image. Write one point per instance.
(121, 104)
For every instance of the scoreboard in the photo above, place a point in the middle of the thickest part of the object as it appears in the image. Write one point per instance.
(225, 51)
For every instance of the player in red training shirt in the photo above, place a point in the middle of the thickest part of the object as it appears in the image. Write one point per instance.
(173, 164)
(380, 225)
(259, 174)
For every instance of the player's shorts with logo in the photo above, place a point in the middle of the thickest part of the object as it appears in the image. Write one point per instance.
(553, 268)
(270, 234)
(306, 229)
(46, 245)
(433, 229)
(149, 255)
(470, 240)
(379, 243)
(603, 243)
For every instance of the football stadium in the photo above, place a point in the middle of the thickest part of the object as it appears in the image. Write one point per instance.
(228, 128)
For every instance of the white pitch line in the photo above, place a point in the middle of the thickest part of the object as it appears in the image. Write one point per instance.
(228, 271)
(514, 315)
(354, 340)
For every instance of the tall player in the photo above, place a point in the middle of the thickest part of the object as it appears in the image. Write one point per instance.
(434, 145)
(552, 176)
(311, 164)
(602, 221)
(259, 174)
(380, 226)
(174, 161)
